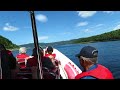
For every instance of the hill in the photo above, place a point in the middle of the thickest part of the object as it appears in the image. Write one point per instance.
(8, 44)
(108, 36)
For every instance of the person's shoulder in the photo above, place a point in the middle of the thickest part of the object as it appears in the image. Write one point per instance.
(102, 66)
(54, 54)
(32, 61)
(46, 55)
(8, 50)
(27, 55)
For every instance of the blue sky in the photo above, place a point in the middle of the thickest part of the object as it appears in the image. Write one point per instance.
(53, 26)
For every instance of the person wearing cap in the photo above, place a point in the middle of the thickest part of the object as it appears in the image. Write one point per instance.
(92, 70)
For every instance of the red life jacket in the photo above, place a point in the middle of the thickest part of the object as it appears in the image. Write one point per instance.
(54, 55)
(21, 60)
(100, 72)
(47, 55)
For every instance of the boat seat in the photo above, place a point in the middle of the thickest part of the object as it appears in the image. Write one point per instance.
(24, 74)
(47, 74)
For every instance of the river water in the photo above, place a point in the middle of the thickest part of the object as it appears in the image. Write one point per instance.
(109, 54)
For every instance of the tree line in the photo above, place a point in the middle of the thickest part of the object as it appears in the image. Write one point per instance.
(109, 36)
(7, 43)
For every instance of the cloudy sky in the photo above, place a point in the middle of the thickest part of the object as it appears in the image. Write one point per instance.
(53, 26)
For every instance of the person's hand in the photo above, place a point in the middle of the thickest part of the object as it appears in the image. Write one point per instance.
(59, 62)
(29, 57)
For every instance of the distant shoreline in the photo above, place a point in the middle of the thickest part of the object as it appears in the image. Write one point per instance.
(71, 43)
(95, 41)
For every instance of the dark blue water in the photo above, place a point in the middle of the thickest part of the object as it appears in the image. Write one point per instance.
(109, 54)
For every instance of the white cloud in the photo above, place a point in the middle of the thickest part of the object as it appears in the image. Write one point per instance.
(8, 27)
(82, 24)
(108, 12)
(117, 27)
(85, 14)
(42, 38)
(41, 18)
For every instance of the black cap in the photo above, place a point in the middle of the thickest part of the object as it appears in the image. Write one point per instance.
(88, 52)
(49, 48)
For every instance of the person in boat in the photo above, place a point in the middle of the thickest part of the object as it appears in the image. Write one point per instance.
(7, 63)
(21, 57)
(92, 70)
(49, 70)
(49, 53)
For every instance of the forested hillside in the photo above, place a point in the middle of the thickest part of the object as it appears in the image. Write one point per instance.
(8, 44)
(109, 36)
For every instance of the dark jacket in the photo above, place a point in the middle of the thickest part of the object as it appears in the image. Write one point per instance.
(8, 62)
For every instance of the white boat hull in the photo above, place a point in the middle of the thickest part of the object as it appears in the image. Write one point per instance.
(68, 69)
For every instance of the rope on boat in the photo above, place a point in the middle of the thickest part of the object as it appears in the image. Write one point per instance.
(36, 44)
